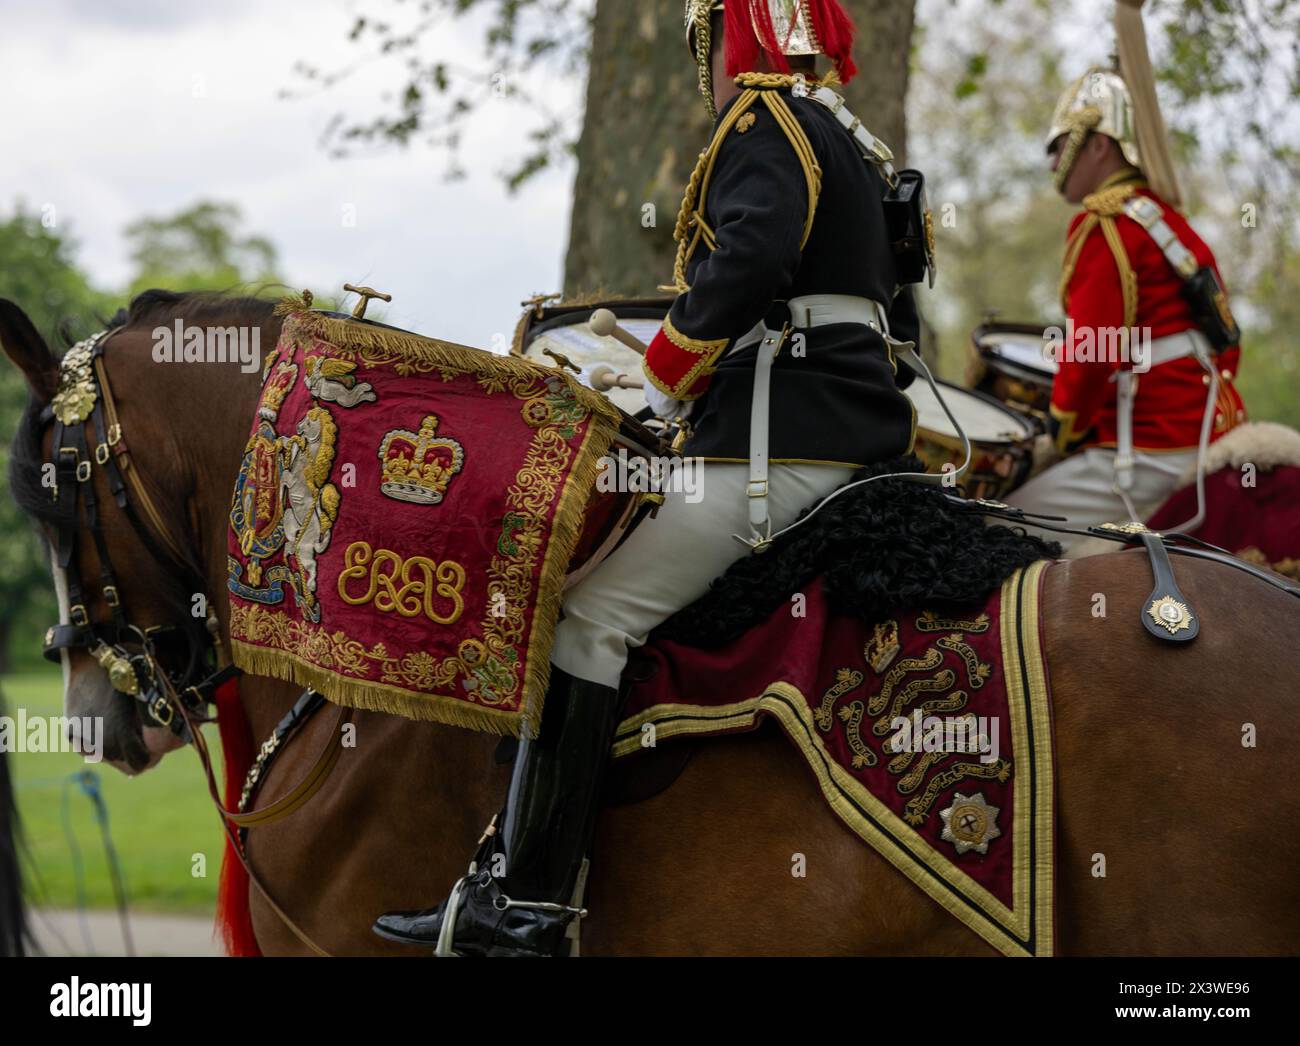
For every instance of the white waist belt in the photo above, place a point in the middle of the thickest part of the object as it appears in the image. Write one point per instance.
(1175, 346)
(821, 310)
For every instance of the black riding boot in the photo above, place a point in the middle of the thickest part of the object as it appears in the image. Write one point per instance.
(517, 898)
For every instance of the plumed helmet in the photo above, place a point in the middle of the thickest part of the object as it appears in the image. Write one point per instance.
(780, 28)
(1098, 101)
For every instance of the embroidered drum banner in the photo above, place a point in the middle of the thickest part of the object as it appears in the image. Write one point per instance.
(403, 519)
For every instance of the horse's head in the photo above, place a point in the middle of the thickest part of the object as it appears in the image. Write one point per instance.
(110, 462)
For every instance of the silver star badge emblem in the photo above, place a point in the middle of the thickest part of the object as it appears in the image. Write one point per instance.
(1170, 614)
(970, 823)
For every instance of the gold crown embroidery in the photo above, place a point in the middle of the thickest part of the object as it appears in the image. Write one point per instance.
(418, 466)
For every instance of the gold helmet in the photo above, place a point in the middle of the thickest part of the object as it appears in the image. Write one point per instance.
(781, 28)
(1098, 101)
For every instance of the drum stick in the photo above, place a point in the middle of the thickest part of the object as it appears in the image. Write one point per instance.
(604, 323)
(602, 377)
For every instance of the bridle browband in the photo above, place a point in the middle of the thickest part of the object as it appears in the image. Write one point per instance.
(84, 415)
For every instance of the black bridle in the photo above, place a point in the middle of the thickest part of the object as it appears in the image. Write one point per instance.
(84, 416)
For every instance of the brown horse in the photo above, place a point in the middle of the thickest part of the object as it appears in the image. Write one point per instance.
(1152, 771)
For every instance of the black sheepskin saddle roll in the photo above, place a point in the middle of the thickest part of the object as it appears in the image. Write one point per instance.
(881, 548)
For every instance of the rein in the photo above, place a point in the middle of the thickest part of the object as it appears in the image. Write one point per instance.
(282, 807)
(84, 414)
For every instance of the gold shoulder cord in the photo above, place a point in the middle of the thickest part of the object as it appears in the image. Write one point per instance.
(803, 149)
(1103, 208)
(691, 212)
(771, 80)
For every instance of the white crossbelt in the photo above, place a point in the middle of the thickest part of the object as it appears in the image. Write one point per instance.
(871, 147)
(1148, 214)
(806, 312)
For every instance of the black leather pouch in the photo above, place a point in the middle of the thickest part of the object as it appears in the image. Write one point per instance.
(1210, 307)
(911, 228)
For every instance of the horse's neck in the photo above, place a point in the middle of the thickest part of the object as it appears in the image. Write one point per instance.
(266, 701)
(213, 431)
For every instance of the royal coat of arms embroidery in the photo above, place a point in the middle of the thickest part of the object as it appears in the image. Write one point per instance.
(284, 501)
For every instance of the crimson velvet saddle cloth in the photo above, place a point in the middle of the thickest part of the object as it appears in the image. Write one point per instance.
(1252, 497)
(929, 735)
(1254, 515)
(404, 517)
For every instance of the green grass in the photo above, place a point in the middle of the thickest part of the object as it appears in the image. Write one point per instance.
(158, 821)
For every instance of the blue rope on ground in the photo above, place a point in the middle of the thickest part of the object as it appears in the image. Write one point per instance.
(88, 783)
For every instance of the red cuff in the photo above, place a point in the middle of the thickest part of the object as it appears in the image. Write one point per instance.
(681, 370)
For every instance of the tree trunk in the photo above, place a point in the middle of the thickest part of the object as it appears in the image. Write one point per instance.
(646, 123)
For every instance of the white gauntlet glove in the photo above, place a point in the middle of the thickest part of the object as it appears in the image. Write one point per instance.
(664, 405)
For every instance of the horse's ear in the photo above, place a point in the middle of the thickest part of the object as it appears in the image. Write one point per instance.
(23, 344)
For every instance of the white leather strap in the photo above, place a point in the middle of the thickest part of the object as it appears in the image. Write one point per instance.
(755, 334)
(1148, 214)
(870, 146)
(1125, 395)
(1176, 346)
(806, 311)
(1163, 350)
(819, 310)
(760, 522)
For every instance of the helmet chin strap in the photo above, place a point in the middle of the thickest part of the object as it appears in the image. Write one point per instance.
(699, 28)
(1084, 125)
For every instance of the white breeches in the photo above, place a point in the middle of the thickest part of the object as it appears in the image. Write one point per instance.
(669, 561)
(1082, 488)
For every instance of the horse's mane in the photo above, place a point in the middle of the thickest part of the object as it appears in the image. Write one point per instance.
(147, 309)
(153, 307)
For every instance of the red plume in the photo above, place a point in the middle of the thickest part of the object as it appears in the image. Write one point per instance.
(234, 915)
(749, 27)
(835, 31)
(741, 44)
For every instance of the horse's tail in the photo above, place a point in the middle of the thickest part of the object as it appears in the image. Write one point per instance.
(14, 933)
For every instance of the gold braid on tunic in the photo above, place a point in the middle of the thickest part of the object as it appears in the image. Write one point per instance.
(691, 225)
(1103, 207)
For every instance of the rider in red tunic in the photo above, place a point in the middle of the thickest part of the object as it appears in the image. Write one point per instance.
(1172, 399)
(1125, 286)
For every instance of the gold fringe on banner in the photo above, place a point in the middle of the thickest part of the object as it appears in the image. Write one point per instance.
(371, 696)
(1149, 125)
(570, 518)
(384, 344)
(381, 345)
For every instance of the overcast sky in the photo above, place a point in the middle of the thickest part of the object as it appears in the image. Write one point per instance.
(115, 109)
